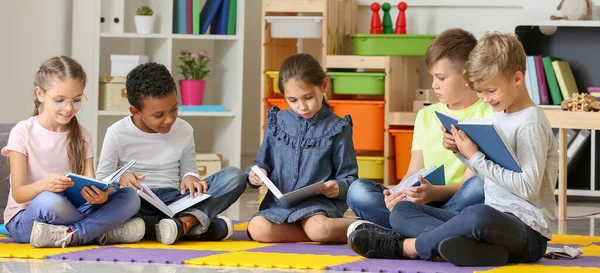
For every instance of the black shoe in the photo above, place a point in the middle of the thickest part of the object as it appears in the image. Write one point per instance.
(374, 244)
(220, 229)
(362, 224)
(463, 251)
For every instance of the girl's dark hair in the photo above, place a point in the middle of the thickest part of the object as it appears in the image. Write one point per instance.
(58, 69)
(301, 67)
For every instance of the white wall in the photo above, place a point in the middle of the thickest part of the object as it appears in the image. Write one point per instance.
(32, 31)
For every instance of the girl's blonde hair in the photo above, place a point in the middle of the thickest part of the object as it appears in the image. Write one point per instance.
(58, 69)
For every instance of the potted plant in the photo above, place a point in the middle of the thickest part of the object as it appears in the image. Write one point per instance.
(144, 19)
(194, 70)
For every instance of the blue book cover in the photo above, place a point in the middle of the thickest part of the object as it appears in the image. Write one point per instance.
(208, 13)
(485, 135)
(535, 91)
(73, 193)
(219, 24)
(179, 17)
(202, 108)
(435, 175)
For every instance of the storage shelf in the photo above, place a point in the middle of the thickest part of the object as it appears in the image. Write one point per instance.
(181, 113)
(566, 119)
(589, 193)
(560, 23)
(167, 36)
(353, 61)
(402, 118)
(455, 4)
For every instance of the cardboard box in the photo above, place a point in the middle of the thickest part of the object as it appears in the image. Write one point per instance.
(120, 65)
(208, 164)
(419, 104)
(425, 95)
(112, 94)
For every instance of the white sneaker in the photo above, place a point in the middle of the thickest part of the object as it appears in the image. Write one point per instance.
(131, 231)
(169, 230)
(46, 235)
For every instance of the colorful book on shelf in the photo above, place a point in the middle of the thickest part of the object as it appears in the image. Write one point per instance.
(176, 207)
(189, 16)
(208, 14)
(231, 23)
(435, 175)
(73, 193)
(487, 137)
(197, 17)
(541, 79)
(179, 16)
(202, 108)
(528, 80)
(565, 78)
(535, 92)
(219, 24)
(552, 82)
(291, 198)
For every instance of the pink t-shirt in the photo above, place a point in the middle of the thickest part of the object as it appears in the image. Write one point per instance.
(46, 153)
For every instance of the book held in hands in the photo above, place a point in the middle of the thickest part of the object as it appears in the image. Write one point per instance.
(291, 198)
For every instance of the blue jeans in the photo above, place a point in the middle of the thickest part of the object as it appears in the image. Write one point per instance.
(479, 222)
(366, 199)
(224, 187)
(89, 220)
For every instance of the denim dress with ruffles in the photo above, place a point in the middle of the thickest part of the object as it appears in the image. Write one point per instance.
(297, 152)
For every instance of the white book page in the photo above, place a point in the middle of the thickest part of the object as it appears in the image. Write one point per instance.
(267, 182)
(149, 196)
(482, 121)
(187, 202)
(111, 178)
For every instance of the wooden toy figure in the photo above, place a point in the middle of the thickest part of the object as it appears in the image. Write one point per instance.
(401, 20)
(375, 19)
(388, 26)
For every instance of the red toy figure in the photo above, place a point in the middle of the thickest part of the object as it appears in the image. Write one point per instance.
(375, 19)
(401, 20)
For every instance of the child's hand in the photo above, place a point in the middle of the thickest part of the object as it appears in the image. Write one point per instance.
(130, 180)
(57, 183)
(254, 179)
(330, 189)
(422, 194)
(448, 141)
(95, 195)
(391, 199)
(194, 184)
(464, 143)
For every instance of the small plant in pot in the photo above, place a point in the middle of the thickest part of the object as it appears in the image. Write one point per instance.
(144, 19)
(194, 70)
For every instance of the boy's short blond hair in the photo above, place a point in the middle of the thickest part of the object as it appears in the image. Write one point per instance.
(453, 44)
(495, 54)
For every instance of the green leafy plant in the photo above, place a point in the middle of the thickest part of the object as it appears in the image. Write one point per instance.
(144, 11)
(194, 65)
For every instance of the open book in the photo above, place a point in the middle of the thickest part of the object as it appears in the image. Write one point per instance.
(487, 137)
(173, 208)
(435, 175)
(73, 193)
(291, 198)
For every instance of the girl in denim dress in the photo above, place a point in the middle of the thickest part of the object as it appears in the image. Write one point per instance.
(303, 146)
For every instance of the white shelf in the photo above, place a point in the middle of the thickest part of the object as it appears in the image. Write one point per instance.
(560, 23)
(181, 113)
(588, 193)
(167, 36)
(549, 106)
(453, 4)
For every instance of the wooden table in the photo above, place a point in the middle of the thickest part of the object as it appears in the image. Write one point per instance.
(562, 120)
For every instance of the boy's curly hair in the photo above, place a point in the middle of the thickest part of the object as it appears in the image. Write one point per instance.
(148, 80)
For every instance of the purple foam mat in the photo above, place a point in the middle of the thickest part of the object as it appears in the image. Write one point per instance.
(239, 236)
(134, 255)
(337, 250)
(403, 266)
(7, 240)
(580, 261)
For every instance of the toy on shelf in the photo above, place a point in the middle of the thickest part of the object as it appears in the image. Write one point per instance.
(387, 26)
(574, 10)
(401, 20)
(581, 103)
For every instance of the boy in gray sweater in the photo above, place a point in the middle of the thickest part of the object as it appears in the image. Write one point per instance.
(513, 225)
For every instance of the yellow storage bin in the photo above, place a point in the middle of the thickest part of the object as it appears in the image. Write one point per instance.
(274, 75)
(370, 167)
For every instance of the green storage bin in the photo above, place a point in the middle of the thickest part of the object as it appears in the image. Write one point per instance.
(391, 44)
(358, 83)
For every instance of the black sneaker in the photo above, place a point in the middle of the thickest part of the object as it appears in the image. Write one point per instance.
(370, 243)
(463, 251)
(221, 228)
(362, 224)
(169, 230)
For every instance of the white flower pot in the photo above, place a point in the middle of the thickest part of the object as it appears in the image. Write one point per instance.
(144, 24)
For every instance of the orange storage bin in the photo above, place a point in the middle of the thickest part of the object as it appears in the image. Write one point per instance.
(402, 144)
(367, 119)
(281, 103)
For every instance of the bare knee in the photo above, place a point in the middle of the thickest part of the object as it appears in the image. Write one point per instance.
(260, 229)
(319, 229)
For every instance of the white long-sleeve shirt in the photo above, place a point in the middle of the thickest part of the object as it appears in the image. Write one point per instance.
(528, 195)
(163, 159)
